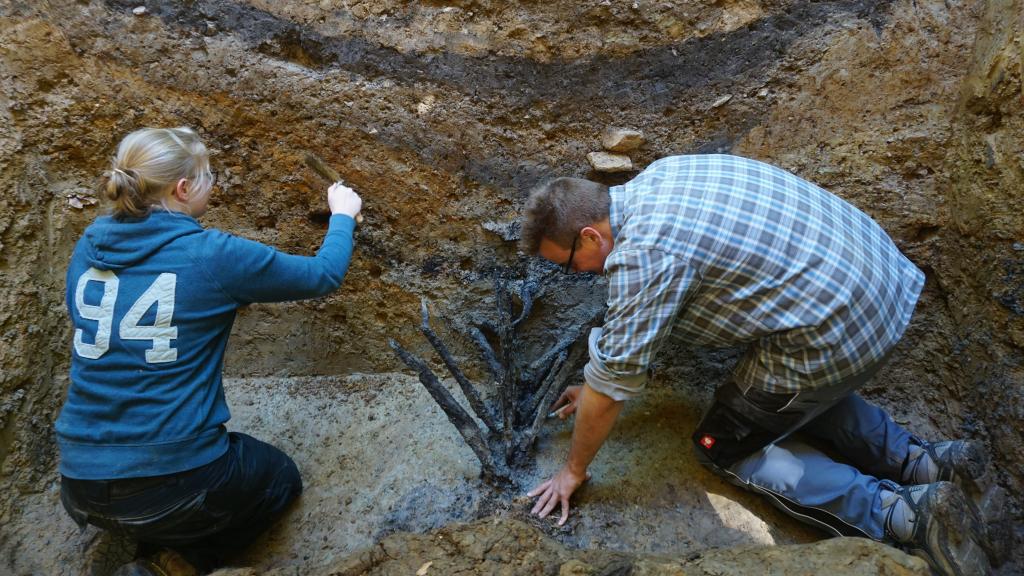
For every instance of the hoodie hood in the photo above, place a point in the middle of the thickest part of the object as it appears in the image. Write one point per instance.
(113, 244)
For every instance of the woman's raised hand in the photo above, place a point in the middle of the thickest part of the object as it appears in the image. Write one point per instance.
(344, 200)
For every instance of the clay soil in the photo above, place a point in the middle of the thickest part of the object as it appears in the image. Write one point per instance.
(377, 457)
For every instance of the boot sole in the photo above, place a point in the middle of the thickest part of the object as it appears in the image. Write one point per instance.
(986, 498)
(995, 525)
(971, 466)
(952, 548)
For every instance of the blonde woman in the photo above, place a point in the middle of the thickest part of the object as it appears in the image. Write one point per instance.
(152, 296)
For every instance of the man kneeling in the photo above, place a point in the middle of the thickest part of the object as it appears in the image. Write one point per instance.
(724, 250)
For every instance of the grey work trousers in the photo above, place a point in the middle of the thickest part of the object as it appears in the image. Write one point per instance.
(746, 437)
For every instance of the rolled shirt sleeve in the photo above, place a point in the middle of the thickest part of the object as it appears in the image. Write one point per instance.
(646, 290)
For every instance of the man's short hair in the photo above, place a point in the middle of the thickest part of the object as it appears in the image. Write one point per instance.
(558, 209)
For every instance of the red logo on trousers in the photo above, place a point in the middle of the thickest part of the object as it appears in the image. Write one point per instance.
(707, 442)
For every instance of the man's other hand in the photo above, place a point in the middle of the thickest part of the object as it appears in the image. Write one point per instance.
(567, 402)
(556, 491)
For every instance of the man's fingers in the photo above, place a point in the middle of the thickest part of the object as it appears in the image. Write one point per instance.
(567, 411)
(561, 400)
(537, 505)
(541, 502)
(553, 492)
(540, 488)
(550, 505)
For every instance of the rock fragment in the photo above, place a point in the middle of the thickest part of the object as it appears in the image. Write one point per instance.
(81, 198)
(139, 10)
(508, 230)
(607, 162)
(621, 139)
(722, 101)
(426, 104)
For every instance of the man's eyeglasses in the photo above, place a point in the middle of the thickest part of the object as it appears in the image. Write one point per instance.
(572, 252)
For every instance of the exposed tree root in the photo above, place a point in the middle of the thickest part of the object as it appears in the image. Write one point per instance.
(524, 390)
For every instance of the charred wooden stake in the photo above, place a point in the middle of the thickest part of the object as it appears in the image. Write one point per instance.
(463, 421)
(465, 385)
(487, 352)
(524, 391)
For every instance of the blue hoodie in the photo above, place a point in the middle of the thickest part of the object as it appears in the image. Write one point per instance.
(152, 301)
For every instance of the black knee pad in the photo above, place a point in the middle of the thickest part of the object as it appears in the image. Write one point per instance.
(724, 437)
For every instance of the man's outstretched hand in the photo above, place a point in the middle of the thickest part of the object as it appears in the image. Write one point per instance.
(595, 415)
(556, 491)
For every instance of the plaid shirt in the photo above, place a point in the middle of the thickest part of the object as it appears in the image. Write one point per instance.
(720, 250)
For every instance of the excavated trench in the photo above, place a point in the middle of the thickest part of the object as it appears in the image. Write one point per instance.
(443, 115)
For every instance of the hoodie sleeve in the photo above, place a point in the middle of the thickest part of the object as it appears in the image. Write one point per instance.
(249, 271)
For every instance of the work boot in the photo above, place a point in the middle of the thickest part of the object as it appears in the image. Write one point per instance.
(935, 522)
(961, 461)
(966, 463)
(165, 562)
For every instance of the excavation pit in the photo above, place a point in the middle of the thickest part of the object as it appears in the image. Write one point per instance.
(444, 115)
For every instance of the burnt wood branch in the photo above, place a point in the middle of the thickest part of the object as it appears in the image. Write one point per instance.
(545, 364)
(525, 390)
(542, 390)
(507, 386)
(527, 294)
(490, 356)
(552, 390)
(461, 419)
(472, 396)
(565, 367)
(562, 366)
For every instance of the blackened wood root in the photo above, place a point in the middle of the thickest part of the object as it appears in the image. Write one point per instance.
(564, 367)
(536, 403)
(508, 384)
(544, 365)
(555, 385)
(475, 402)
(461, 419)
(527, 295)
(490, 357)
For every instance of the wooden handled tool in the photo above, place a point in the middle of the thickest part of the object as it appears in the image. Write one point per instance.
(327, 173)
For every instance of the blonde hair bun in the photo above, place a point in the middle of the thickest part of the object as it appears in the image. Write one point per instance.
(148, 165)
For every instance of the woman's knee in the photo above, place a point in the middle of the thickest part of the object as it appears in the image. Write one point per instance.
(291, 476)
(267, 465)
